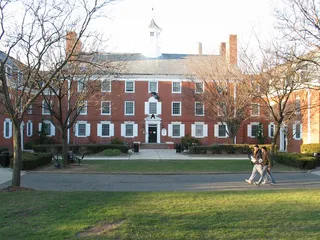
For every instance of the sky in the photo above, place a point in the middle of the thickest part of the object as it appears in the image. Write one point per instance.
(184, 23)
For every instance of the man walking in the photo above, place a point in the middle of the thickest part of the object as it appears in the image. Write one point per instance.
(266, 167)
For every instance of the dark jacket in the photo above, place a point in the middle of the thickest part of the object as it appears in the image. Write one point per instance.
(266, 159)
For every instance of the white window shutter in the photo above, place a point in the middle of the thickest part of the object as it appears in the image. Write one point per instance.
(135, 130)
(40, 126)
(294, 131)
(29, 126)
(182, 130)
(53, 130)
(249, 130)
(205, 130)
(10, 129)
(88, 129)
(269, 130)
(193, 130)
(300, 131)
(111, 130)
(76, 130)
(123, 130)
(146, 108)
(169, 130)
(226, 132)
(261, 129)
(159, 108)
(99, 129)
(216, 130)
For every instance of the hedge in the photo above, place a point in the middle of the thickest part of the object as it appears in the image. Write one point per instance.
(92, 148)
(298, 160)
(34, 160)
(310, 148)
(225, 149)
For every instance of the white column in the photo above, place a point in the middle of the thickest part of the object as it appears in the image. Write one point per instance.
(309, 117)
(21, 133)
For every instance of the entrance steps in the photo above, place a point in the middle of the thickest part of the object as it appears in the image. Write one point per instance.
(154, 146)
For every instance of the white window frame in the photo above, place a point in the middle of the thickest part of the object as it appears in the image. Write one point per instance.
(99, 129)
(294, 131)
(29, 128)
(195, 109)
(216, 130)
(124, 127)
(249, 129)
(87, 129)
(133, 86)
(84, 109)
(29, 110)
(110, 85)
(172, 87)
(45, 109)
(149, 86)
(170, 129)
(109, 113)
(147, 106)
(271, 129)
(52, 128)
(172, 114)
(9, 77)
(222, 109)
(84, 87)
(204, 130)
(153, 103)
(196, 90)
(7, 123)
(258, 106)
(125, 108)
(297, 111)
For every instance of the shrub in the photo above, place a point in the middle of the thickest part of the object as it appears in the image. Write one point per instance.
(34, 160)
(117, 141)
(302, 161)
(310, 148)
(188, 141)
(111, 152)
(92, 148)
(222, 149)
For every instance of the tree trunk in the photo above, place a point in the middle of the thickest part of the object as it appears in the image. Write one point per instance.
(17, 153)
(65, 149)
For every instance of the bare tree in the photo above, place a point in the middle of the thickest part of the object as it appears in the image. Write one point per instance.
(37, 39)
(224, 97)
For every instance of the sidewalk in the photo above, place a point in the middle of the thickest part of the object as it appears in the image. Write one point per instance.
(6, 174)
(166, 154)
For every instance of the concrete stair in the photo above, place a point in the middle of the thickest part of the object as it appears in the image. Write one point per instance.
(154, 146)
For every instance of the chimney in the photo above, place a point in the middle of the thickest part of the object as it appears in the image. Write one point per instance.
(223, 49)
(200, 48)
(233, 50)
(71, 39)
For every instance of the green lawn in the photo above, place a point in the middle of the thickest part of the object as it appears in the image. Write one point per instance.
(290, 214)
(176, 166)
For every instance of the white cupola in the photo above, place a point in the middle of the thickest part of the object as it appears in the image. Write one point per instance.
(154, 33)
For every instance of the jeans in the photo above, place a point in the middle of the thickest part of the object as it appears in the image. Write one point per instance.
(256, 168)
(265, 171)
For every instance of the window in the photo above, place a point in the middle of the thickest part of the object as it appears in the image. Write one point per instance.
(105, 129)
(82, 85)
(153, 86)
(29, 111)
(7, 128)
(255, 109)
(106, 85)
(129, 108)
(298, 106)
(176, 130)
(152, 108)
(47, 128)
(83, 108)
(253, 129)
(297, 131)
(199, 109)
(20, 77)
(220, 130)
(176, 87)
(222, 109)
(199, 130)
(45, 108)
(105, 108)
(271, 129)
(129, 130)
(176, 108)
(129, 86)
(82, 129)
(9, 73)
(29, 128)
(199, 87)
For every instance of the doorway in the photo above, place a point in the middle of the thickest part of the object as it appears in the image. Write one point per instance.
(152, 133)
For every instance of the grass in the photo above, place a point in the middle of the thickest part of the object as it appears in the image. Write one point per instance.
(285, 214)
(175, 166)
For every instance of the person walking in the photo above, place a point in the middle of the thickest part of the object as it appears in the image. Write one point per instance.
(266, 167)
(256, 156)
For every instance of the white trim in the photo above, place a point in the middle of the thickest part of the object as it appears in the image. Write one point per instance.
(87, 130)
(258, 114)
(125, 108)
(29, 110)
(295, 106)
(180, 85)
(269, 129)
(102, 107)
(133, 87)
(204, 130)
(216, 130)
(29, 123)
(84, 108)
(249, 129)
(43, 108)
(195, 109)
(109, 85)
(195, 87)
(134, 129)
(153, 81)
(52, 128)
(294, 131)
(7, 120)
